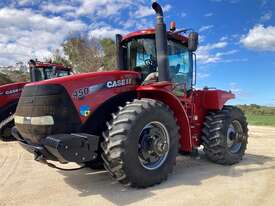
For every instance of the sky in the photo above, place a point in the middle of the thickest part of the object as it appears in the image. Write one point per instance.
(237, 37)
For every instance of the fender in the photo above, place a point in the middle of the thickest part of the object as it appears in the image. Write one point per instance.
(214, 99)
(161, 93)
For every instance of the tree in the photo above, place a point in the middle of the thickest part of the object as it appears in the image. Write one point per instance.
(4, 79)
(109, 56)
(59, 58)
(84, 54)
(88, 54)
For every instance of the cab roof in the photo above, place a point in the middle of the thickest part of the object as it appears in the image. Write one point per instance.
(58, 66)
(151, 31)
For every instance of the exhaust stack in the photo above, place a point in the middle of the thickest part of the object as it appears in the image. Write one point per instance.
(161, 44)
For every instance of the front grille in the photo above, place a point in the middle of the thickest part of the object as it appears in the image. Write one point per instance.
(44, 100)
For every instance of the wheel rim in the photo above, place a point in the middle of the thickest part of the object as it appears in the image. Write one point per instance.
(235, 136)
(153, 145)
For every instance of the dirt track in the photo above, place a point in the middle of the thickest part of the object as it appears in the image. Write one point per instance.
(194, 182)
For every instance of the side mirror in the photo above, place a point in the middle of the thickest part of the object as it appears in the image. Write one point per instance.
(193, 41)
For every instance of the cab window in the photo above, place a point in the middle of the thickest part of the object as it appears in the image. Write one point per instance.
(180, 66)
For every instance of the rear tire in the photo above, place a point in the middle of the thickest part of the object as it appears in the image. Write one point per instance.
(141, 143)
(225, 136)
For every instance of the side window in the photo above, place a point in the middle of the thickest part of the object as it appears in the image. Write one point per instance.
(62, 73)
(39, 74)
(180, 66)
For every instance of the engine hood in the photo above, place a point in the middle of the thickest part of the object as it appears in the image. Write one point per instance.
(92, 76)
(10, 92)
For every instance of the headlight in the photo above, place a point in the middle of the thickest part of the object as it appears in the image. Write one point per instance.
(43, 120)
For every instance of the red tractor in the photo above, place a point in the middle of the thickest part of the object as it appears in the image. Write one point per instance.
(134, 120)
(10, 93)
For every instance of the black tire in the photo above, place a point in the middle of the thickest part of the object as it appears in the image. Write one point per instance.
(225, 135)
(121, 155)
(5, 132)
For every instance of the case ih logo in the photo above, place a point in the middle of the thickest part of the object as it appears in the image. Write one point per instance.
(119, 83)
(82, 92)
(12, 91)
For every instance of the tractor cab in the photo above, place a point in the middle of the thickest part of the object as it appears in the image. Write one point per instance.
(41, 71)
(139, 53)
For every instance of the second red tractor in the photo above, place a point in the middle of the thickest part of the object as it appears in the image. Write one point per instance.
(10, 93)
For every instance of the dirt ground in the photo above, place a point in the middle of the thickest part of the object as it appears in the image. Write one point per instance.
(194, 182)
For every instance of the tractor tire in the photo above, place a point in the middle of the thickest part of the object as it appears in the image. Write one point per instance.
(225, 136)
(5, 132)
(141, 143)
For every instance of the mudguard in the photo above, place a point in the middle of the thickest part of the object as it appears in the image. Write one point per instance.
(160, 91)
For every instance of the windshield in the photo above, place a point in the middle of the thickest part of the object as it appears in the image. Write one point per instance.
(141, 57)
(43, 73)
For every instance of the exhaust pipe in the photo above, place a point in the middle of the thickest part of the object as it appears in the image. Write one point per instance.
(119, 53)
(161, 44)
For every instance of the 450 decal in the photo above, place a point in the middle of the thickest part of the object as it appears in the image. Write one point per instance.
(82, 92)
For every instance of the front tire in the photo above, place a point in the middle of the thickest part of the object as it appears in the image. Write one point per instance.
(225, 136)
(141, 143)
(5, 132)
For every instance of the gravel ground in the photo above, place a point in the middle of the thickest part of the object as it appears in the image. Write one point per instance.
(194, 181)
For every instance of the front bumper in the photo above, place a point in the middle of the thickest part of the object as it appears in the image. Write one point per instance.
(78, 148)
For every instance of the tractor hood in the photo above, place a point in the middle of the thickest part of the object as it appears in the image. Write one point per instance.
(63, 104)
(10, 92)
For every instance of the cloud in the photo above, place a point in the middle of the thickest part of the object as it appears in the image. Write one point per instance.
(266, 17)
(205, 28)
(144, 11)
(183, 14)
(203, 75)
(210, 53)
(260, 38)
(57, 8)
(224, 38)
(209, 14)
(234, 87)
(237, 90)
(226, 1)
(89, 7)
(106, 32)
(25, 34)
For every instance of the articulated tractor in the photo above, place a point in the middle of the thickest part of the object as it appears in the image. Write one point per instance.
(10, 93)
(136, 119)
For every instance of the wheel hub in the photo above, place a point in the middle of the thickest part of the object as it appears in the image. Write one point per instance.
(153, 145)
(234, 136)
(160, 147)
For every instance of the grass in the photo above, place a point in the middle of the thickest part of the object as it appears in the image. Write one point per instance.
(261, 120)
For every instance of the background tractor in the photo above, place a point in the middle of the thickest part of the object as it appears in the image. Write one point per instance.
(10, 93)
(136, 119)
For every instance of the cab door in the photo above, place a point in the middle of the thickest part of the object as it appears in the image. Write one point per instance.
(180, 67)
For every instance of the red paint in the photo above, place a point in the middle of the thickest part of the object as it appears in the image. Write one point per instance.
(150, 32)
(10, 93)
(189, 110)
(93, 100)
(45, 65)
